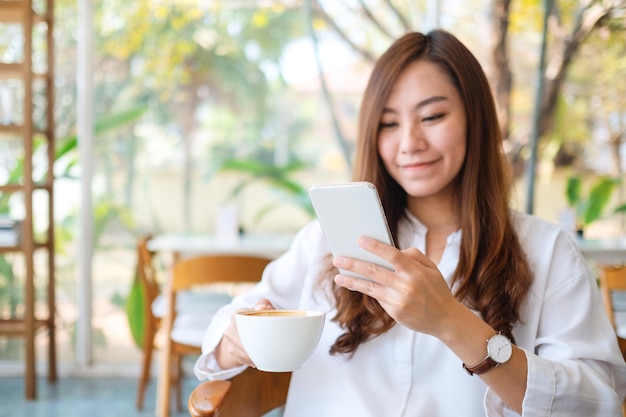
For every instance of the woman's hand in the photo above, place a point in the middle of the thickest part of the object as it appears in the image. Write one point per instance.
(415, 294)
(230, 352)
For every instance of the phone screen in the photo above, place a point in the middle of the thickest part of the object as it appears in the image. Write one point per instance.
(346, 212)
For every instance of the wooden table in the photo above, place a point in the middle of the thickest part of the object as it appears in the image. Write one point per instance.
(194, 244)
(611, 251)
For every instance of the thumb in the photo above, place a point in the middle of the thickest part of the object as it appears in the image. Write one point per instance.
(264, 304)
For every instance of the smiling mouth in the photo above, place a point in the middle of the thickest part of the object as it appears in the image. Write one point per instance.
(417, 165)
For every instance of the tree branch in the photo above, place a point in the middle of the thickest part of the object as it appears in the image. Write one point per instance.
(501, 74)
(319, 11)
(343, 143)
(588, 18)
(405, 23)
(369, 16)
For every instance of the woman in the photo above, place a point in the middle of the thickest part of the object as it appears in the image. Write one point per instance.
(488, 312)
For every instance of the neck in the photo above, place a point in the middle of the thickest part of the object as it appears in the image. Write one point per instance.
(439, 214)
(441, 217)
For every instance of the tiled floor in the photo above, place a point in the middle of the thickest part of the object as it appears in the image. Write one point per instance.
(82, 397)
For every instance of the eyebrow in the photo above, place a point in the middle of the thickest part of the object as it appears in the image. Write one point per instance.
(422, 103)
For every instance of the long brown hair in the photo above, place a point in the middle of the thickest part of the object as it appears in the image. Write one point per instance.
(492, 276)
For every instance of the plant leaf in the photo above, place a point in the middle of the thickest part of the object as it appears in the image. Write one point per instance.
(572, 190)
(134, 308)
(599, 197)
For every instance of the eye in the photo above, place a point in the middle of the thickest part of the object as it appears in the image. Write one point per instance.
(433, 117)
(387, 125)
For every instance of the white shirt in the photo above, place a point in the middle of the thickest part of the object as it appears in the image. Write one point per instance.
(575, 367)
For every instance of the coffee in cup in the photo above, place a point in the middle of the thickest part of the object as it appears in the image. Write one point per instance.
(279, 340)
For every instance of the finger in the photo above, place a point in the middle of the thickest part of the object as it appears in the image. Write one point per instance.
(392, 254)
(389, 253)
(367, 269)
(377, 247)
(418, 256)
(363, 286)
(263, 304)
(231, 348)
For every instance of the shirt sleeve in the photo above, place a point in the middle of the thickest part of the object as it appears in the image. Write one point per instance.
(552, 391)
(206, 366)
(575, 367)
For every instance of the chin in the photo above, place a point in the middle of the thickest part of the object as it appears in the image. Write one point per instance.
(419, 189)
(424, 190)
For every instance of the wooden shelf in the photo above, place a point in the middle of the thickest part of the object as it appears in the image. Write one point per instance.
(12, 70)
(12, 11)
(15, 71)
(20, 12)
(14, 129)
(13, 188)
(18, 129)
(17, 327)
(19, 248)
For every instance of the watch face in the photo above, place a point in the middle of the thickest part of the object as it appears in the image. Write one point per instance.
(499, 348)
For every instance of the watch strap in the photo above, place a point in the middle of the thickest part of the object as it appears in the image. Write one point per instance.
(485, 365)
(489, 362)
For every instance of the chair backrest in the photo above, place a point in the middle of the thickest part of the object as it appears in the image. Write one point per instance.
(147, 273)
(249, 394)
(612, 279)
(203, 270)
(207, 269)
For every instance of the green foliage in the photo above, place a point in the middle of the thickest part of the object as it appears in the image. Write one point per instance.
(590, 208)
(135, 310)
(278, 177)
(10, 292)
(67, 146)
(572, 190)
(105, 212)
(178, 48)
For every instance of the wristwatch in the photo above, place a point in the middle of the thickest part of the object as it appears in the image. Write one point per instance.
(499, 350)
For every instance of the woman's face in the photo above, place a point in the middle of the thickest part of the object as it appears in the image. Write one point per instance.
(422, 131)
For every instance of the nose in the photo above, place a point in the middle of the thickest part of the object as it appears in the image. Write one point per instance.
(412, 140)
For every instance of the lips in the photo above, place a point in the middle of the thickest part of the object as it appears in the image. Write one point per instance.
(417, 165)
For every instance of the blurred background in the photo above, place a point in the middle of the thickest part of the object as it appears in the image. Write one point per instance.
(207, 104)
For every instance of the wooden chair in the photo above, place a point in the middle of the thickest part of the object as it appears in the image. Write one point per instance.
(613, 279)
(154, 310)
(184, 330)
(152, 322)
(249, 394)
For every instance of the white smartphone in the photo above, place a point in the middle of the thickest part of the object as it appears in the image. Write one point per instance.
(348, 211)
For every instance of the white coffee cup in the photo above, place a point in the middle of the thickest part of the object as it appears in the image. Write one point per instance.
(279, 340)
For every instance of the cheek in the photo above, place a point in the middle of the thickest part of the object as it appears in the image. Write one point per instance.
(455, 142)
(386, 149)
(457, 150)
